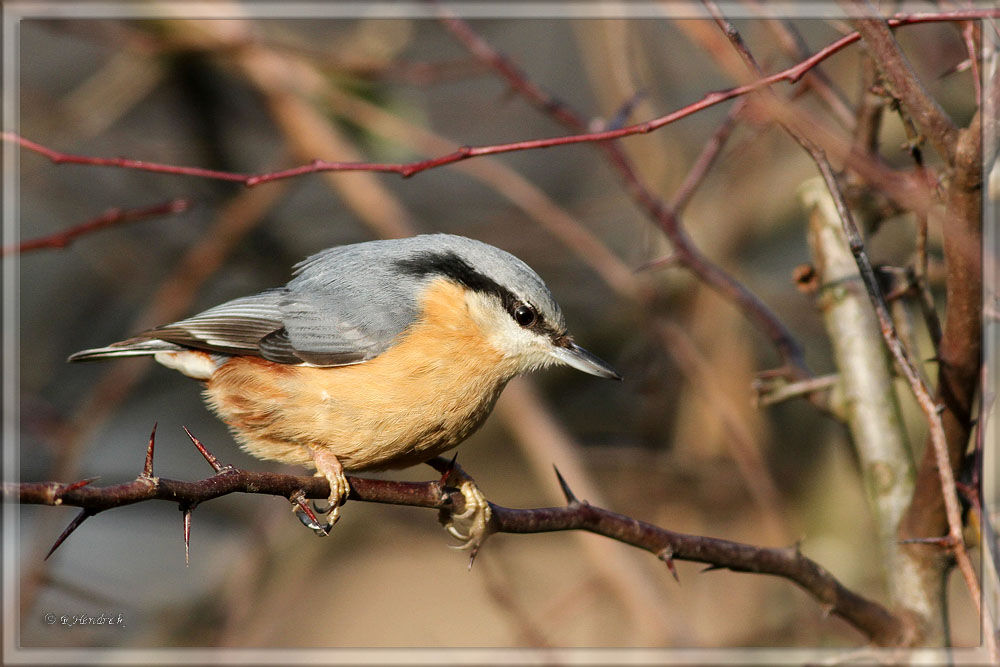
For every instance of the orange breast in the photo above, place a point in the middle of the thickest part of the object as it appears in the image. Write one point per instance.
(424, 395)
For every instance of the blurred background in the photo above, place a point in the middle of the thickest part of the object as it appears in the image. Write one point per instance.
(679, 443)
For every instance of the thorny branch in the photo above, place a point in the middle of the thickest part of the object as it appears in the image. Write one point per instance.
(932, 117)
(875, 621)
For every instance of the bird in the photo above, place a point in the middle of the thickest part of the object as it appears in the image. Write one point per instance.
(375, 355)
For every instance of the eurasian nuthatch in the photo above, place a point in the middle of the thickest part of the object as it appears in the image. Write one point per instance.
(375, 355)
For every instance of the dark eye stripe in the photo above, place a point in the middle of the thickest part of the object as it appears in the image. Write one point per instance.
(450, 265)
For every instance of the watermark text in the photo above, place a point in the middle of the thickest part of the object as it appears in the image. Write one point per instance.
(70, 620)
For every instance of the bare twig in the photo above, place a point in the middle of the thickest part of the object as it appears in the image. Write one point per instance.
(711, 150)
(685, 252)
(790, 75)
(904, 83)
(109, 218)
(795, 46)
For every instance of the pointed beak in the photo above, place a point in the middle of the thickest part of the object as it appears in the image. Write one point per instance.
(571, 354)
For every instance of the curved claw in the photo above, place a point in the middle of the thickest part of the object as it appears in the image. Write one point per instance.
(329, 467)
(322, 506)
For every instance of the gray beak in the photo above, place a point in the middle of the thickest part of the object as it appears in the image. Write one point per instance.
(573, 355)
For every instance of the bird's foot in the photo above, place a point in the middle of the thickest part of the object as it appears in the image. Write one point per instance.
(328, 466)
(472, 525)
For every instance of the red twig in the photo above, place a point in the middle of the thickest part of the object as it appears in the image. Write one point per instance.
(791, 75)
(109, 218)
(125, 163)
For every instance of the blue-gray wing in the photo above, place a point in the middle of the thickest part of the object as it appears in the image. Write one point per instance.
(345, 305)
(235, 327)
(338, 310)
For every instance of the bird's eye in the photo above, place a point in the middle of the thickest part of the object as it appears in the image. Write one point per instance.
(525, 315)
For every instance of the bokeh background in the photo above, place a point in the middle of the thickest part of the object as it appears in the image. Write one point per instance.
(679, 443)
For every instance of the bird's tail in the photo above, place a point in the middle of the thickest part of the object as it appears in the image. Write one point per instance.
(133, 347)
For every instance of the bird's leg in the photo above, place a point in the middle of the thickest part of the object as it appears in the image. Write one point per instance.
(472, 525)
(327, 465)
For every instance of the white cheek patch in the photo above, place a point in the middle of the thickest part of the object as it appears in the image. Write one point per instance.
(530, 349)
(192, 363)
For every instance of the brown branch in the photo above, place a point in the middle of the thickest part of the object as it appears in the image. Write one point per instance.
(703, 163)
(869, 617)
(794, 45)
(959, 353)
(938, 453)
(686, 253)
(903, 81)
(109, 218)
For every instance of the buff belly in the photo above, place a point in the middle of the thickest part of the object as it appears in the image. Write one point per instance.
(423, 396)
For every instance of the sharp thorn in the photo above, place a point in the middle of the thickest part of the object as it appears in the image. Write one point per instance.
(306, 515)
(209, 456)
(84, 514)
(438, 463)
(667, 556)
(448, 471)
(570, 498)
(76, 485)
(472, 556)
(187, 536)
(147, 469)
